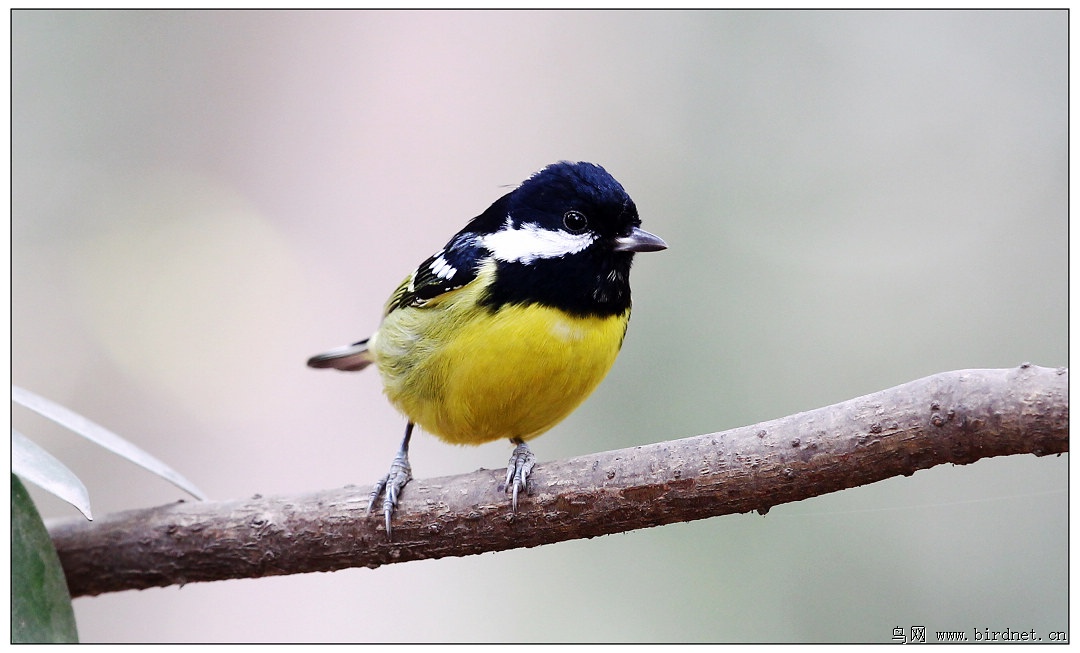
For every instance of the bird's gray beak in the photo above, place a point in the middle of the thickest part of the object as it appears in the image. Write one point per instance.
(639, 240)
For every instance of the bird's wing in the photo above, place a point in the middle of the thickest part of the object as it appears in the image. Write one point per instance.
(448, 269)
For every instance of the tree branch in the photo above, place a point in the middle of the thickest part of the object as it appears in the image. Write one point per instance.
(953, 417)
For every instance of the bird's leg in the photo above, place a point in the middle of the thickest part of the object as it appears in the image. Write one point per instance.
(519, 467)
(400, 474)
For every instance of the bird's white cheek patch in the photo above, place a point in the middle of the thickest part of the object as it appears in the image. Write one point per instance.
(529, 242)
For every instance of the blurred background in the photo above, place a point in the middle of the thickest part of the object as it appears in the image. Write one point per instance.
(201, 200)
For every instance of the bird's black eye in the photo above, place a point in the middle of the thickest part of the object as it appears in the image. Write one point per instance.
(575, 221)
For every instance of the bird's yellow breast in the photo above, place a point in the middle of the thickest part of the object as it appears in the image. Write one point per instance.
(471, 375)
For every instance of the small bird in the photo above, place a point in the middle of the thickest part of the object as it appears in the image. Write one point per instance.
(504, 331)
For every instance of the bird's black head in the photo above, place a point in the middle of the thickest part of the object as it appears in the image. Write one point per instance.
(566, 238)
(574, 198)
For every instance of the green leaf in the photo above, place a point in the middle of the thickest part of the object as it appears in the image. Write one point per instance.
(102, 436)
(40, 603)
(32, 463)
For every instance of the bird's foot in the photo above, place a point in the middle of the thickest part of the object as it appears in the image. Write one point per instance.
(518, 469)
(390, 487)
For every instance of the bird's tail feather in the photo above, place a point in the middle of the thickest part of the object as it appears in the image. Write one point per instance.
(350, 358)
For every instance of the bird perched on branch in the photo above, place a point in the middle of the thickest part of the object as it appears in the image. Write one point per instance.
(504, 331)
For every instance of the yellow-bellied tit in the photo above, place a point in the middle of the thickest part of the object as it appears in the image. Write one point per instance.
(504, 331)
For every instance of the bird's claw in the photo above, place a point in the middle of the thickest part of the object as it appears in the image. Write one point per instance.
(390, 487)
(522, 461)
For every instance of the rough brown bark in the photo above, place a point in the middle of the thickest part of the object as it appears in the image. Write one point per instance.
(953, 417)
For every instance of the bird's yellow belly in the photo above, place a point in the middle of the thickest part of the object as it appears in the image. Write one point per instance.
(513, 373)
